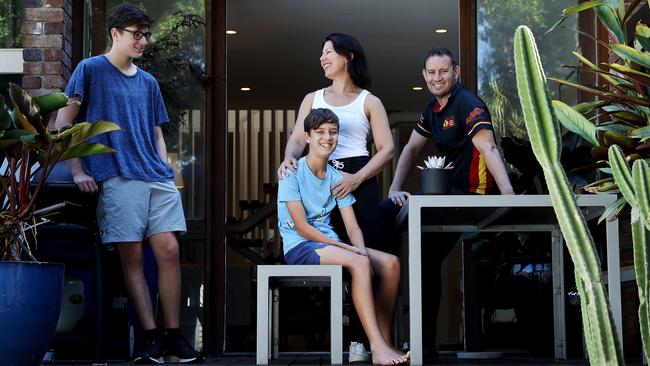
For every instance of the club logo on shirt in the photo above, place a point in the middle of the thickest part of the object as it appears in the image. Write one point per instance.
(448, 123)
(472, 116)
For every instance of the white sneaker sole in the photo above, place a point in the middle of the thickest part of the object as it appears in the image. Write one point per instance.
(176, 359)
(358, 358)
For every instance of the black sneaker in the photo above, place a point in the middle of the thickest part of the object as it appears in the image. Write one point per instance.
(151, 353)
(180, 351)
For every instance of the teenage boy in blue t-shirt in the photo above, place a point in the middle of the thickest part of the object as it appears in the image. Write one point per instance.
(137, 198)
(305, 203)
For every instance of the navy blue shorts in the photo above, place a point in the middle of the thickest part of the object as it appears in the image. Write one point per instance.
(304, 253)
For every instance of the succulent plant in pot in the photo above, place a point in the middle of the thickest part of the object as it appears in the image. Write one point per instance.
(30, 292)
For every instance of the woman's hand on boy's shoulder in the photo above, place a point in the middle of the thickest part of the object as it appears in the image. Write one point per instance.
(286, 167)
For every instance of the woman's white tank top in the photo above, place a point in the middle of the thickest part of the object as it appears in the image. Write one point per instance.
(353, 125)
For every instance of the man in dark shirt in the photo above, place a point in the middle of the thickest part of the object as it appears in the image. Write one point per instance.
(459, 124)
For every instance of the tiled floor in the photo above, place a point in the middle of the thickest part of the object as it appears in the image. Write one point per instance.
(310, 359)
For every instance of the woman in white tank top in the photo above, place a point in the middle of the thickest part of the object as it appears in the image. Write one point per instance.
(360, 113)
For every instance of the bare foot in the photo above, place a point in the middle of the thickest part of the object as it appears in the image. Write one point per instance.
(385, 355)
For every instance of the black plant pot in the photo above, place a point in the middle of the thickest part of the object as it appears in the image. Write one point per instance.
(30, 303)
(435, 181)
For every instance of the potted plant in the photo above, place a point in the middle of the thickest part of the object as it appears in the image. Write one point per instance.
(435, 177)
(31, 291)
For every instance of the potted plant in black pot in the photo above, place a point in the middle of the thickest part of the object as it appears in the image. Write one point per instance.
(31, 291)
(435, 177)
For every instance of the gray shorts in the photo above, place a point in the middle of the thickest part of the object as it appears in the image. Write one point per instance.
(133, 210)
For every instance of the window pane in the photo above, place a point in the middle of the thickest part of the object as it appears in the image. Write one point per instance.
(497, 86)
(12, 13)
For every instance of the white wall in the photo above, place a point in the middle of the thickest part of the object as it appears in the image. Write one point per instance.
(11, 60)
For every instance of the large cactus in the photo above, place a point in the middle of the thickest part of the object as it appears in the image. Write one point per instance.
(543, 130)
(635, 187)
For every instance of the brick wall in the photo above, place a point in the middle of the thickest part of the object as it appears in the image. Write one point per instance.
(47, 45)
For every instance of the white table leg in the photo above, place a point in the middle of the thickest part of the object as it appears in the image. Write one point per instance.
(415, 283)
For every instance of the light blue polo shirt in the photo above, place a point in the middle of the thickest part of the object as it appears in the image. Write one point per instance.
(316, 197)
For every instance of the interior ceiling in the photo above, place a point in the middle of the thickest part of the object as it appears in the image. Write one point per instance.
(278, 44)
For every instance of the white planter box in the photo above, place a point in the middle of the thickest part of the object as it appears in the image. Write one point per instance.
(11, 60)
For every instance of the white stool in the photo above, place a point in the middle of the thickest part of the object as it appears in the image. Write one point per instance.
(270, 278)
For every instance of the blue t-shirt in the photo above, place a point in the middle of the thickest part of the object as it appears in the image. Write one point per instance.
(136, 105)
(316, 197)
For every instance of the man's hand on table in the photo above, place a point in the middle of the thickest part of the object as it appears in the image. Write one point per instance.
(399, 197)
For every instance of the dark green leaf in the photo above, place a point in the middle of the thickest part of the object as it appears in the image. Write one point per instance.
(616, 127)
(630, 117)
(586, 61)
(85, 130)
(638, 76)
(573, 10)
(607, 15)
(643, 133)
(588, 107)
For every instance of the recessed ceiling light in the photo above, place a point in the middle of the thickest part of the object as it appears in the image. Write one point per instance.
(231, 32)
(441, 30)
(417, 88)
(245, 89)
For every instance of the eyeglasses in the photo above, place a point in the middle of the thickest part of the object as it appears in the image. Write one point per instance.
(137, 35)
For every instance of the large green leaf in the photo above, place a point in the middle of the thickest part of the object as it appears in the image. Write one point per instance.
(643, 133)
(608, 17)
(573, 10)
(51, 102)
(85, 149)
(575, 122)
(81, 132)
(632, 54)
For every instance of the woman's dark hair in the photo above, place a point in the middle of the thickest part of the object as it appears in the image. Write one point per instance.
(125, 15)
(348, 47)
(440, 52)
(317, 117)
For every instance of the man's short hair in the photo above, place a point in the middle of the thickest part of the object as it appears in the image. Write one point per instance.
(124, 15)
(317, 117)
(440, 52)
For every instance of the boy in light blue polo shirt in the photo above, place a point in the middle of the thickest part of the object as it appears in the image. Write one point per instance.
(305, 203)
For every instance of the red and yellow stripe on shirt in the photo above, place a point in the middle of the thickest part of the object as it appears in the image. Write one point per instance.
(480, 179)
